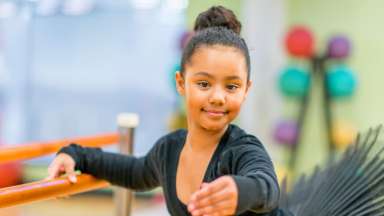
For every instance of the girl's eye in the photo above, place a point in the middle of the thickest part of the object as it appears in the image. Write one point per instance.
(203, 84)
(232, 87)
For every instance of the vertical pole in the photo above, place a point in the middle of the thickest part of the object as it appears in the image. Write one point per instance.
(327, 110)
(126, 122)
(304, 103)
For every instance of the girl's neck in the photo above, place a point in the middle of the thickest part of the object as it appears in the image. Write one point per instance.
(201, 140)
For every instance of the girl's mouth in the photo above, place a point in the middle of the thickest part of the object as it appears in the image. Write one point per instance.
(215, 113)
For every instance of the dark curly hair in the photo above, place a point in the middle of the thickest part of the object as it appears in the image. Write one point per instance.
(216, 26)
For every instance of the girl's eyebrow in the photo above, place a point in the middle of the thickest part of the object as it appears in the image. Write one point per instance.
(235, 77)
(203, 74)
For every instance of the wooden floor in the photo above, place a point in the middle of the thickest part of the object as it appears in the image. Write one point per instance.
(81, 205)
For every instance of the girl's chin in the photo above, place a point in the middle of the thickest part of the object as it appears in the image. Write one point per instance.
(214, 127)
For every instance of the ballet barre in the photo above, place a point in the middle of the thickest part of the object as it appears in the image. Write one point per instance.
(39, 149)
(48, 189)
(61, 187)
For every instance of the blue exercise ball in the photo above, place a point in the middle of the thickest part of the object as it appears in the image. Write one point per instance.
(294, 82)
(172, 74)
(341, 82)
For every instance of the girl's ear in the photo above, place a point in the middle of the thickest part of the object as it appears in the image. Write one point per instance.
(249, 84)
(180, 84)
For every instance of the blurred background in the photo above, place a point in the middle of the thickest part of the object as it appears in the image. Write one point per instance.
(69, 67)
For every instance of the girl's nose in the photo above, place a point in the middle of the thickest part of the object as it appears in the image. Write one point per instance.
(217, 97)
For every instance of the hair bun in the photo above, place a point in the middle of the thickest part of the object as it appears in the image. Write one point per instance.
(217, 16)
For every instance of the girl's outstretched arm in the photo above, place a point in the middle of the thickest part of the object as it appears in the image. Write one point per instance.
(139, 173)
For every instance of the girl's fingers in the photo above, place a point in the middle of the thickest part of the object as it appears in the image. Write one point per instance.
(70, 171)
(212, 199)
(204, 184)
(62, 164)
(53, 170)
(209, 189)
(220, 208)
(215, 197)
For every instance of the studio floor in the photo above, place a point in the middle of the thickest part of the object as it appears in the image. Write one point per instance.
(82, 205)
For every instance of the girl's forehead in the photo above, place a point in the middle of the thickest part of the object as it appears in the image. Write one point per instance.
(217, 50)
(218, 60)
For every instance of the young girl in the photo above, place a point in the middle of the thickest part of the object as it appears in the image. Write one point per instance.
(213, 167)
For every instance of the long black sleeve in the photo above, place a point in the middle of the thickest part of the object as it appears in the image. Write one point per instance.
(251, 168)
(238, 154)
(127, 171)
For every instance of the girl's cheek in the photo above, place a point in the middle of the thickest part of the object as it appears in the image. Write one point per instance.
(236, 100)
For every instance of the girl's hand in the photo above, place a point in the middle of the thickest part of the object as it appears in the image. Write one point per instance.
(215, 199)
(62, 164)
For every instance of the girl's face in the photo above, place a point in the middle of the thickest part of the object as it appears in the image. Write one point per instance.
(214, 85)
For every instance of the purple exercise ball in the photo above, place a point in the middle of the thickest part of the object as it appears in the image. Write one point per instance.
(286, 133)
(339, 47)
(184, 39)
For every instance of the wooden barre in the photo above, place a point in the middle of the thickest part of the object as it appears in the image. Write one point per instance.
(48, 189)
(38, 149)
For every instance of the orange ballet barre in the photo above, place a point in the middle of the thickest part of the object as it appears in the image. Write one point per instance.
(38, 149)
(44, 190)
(61, 187)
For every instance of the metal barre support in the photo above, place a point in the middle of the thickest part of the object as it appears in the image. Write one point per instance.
(127, 122)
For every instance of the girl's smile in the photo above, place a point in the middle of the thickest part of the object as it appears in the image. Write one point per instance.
(214, 113)
(215, 85)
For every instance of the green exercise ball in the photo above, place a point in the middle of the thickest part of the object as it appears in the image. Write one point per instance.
(294, 82)
(341, 82)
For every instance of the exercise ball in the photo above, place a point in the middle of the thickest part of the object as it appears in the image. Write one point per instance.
(343, 134)
(10, 174)
(282, 172)
(341, 82)
(339, 47)
(172, 79)
(286, 133)
(299, 42)
(184, 39)
(294, 82)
